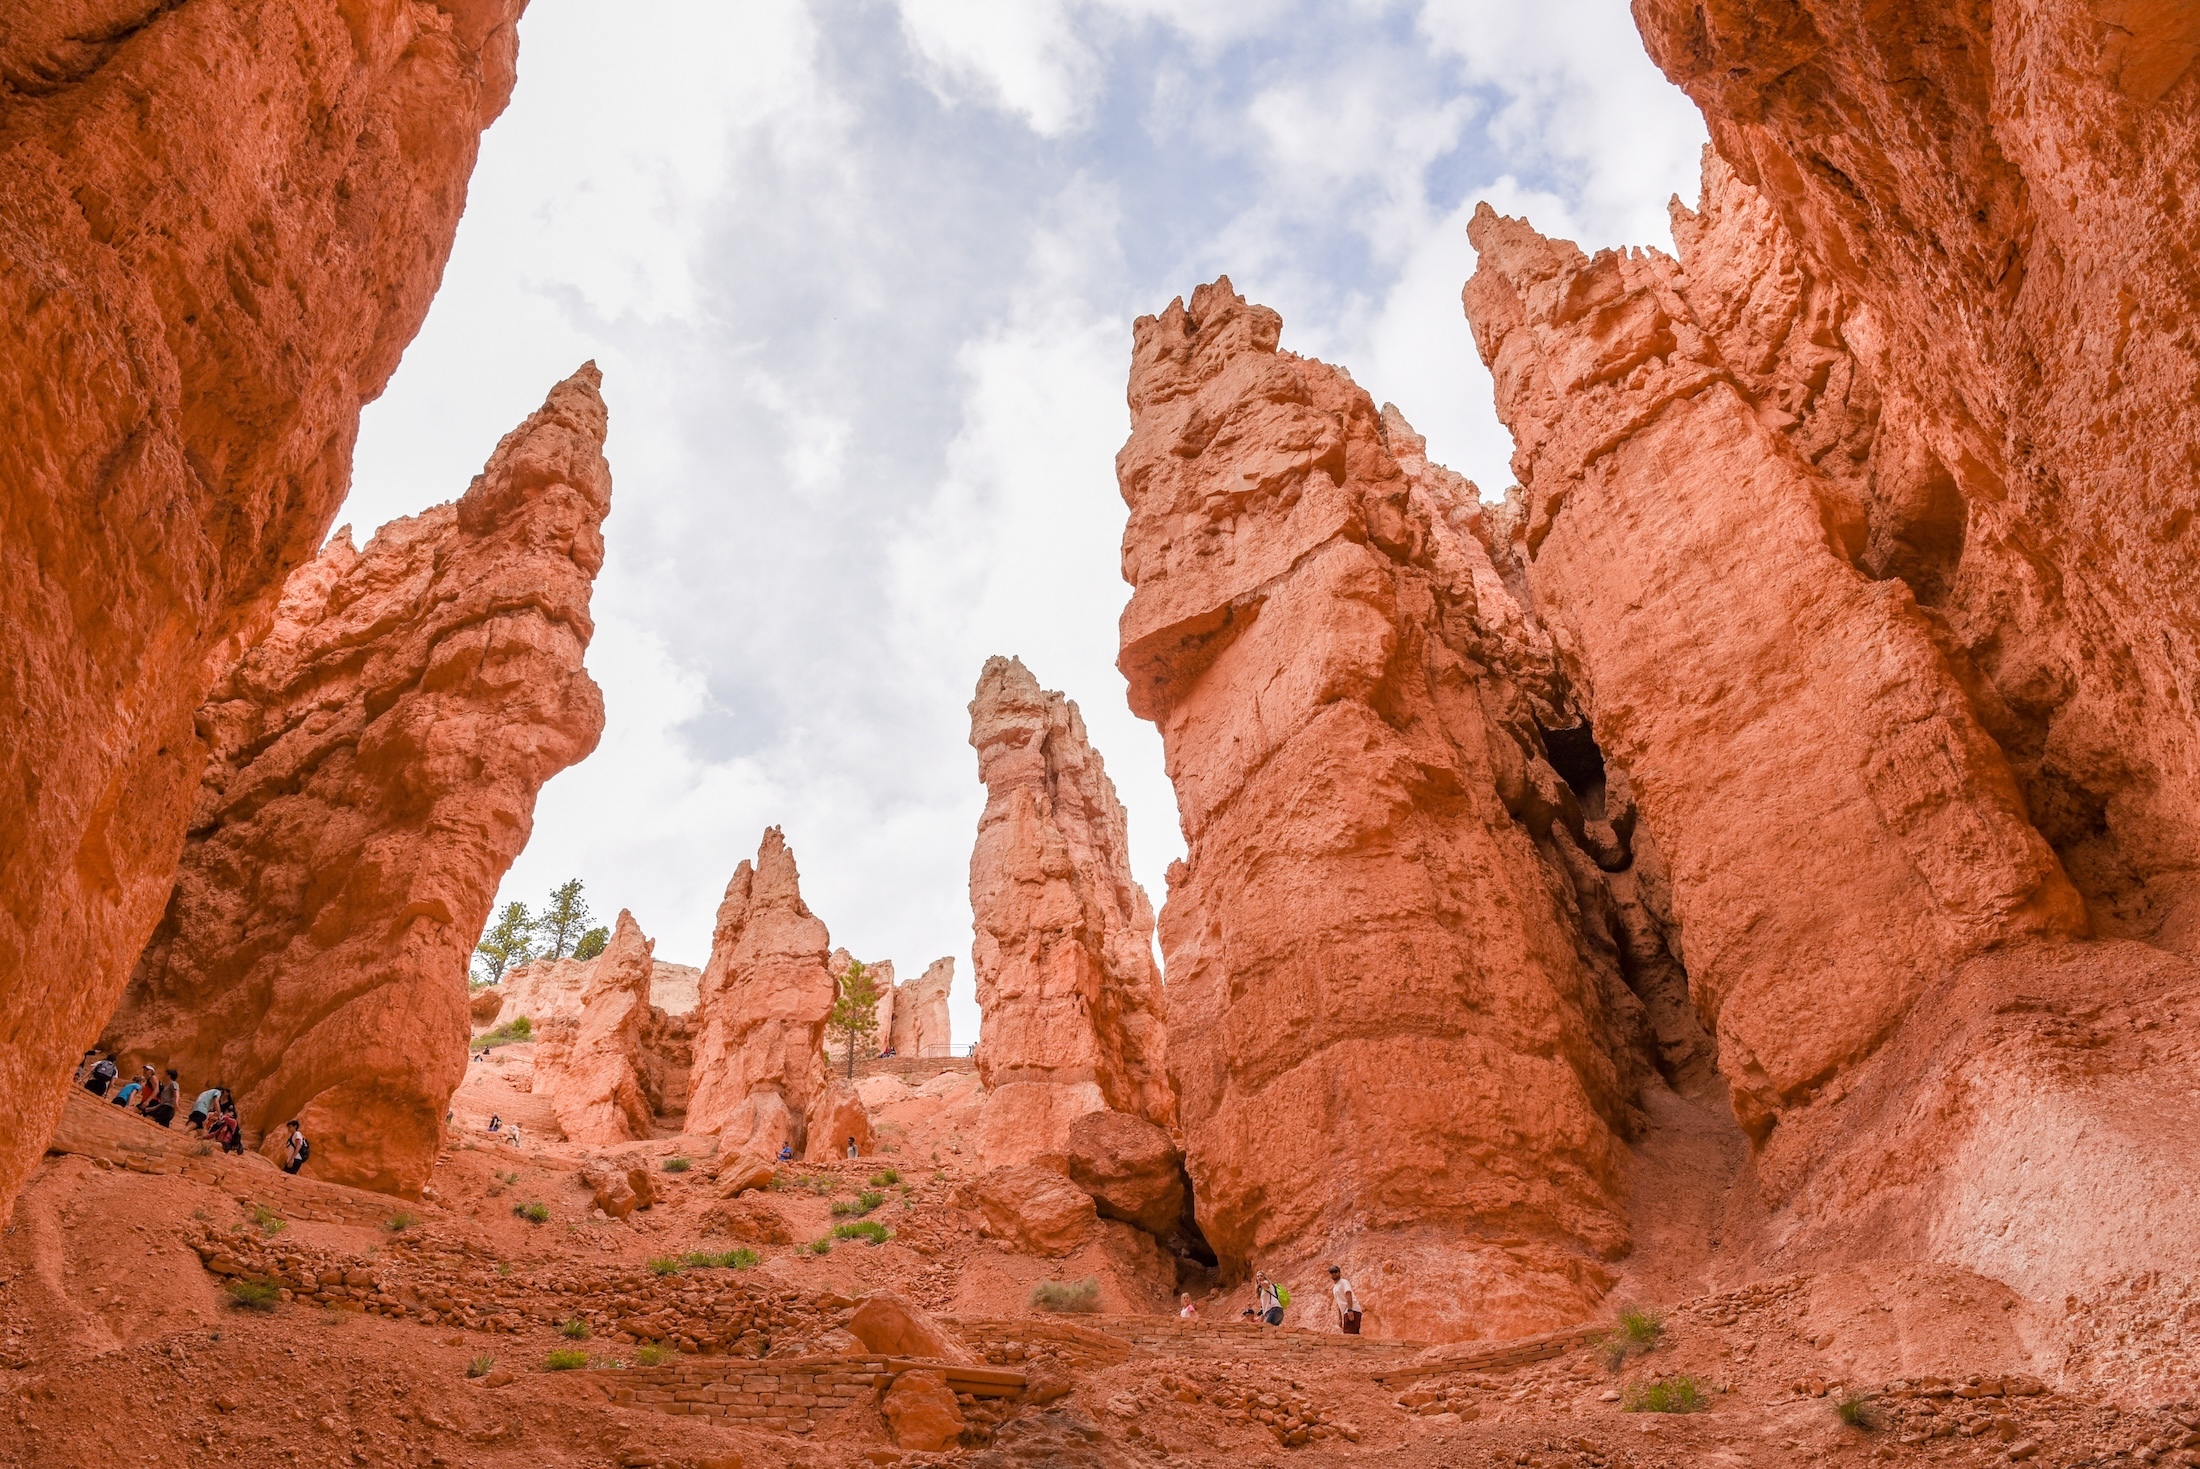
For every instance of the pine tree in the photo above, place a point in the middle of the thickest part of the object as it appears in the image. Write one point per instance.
(592, 943)
(509, 942)
(855, 1013)
(564, 919)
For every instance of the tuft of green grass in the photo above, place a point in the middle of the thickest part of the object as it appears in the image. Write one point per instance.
(1666, 1395)
(270, 1222)
(677, 1165)
(573, 1329)
(533, 1213)
(651, 1355)
(1066, 1295)
(734, 1259)
(1636, 1330)
(1859, 1411)
(822, 1246)
(885, 1178)
(664, 1265)
(399, 1223)
(869, 1229)
(253, 1295)
(504, 1267)
(862, 1203)
(480, 1366)
(511, 1032)
(565, 1359)
(512, 1177)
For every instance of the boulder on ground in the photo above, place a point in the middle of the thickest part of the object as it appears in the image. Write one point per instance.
(1131, 1169)
(836, 1116)
(920, 1409)
(618, 1191)
(899, 1327)
(751, 1220)
(1036, 1210)
(737, 1173)
(482, 1008)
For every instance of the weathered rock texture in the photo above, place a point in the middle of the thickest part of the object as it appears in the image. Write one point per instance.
(1864, 529)
(1841, 828)
(1073, 1016)
(921, 1024)
(549, 989)
(374, 765)
(592, 1064)
(1398, 950)
(224, 222)
(759, 1045)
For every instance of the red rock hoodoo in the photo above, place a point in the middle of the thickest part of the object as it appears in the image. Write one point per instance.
(375, 762)
(224, 223)
(760, 1037)
(592, 1065)
(1401, 946)
(921, 1023)
(1073, 1015)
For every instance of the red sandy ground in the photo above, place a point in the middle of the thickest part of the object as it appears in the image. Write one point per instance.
(119, 1347)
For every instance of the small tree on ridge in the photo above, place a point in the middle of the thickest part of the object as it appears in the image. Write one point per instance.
(592, 943)
(564, 919)
(509, 941)
(855, 1012)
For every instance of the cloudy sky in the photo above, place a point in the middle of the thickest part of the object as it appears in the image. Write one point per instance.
(861, 277)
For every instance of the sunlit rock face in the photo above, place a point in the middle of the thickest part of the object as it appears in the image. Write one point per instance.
(760, 1022)
(374, 766)
(1400, 1028)
(1073, 1015)
(224, 223)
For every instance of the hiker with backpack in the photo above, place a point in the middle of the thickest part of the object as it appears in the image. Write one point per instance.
(101, 1076)
(295, 1148)
(1271, 1299)
(203, 1108)
(222, 1127)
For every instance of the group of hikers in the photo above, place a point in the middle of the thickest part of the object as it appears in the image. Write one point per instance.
(1269, 1299)
(155, 1097)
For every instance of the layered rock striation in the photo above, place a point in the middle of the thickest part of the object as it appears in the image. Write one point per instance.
(1073, 1015)
(760, 1022)
(374, 766)
(549, 989)
(1399, 950)
(225, 221)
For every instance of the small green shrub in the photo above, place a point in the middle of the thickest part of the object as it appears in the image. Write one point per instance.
(573, 1329)
(399, 1223)
(1066, 1295)
(504, 1267)
(734, 1259)
(677, 1165)
(533, 1213)
(511, 1032)
(650, 1356)
(821, 1246)
(1666, 1395)
(862, 1203)
(480, 1366)
(512, 1177)
(1637, 1330)
(1858, 1411)
(253, 1295)
(565, 1359)
(885, 1178)
(869, 1229)
(270, 1222)
(664, 1265)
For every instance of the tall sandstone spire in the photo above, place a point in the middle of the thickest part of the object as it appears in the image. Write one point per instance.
(1073, 1019)
(375, 762)
(591, 1065)
(1400, 1033)
(765, 994)
(224, 223)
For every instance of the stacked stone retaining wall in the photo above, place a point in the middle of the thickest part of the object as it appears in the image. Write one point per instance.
(791, 1394)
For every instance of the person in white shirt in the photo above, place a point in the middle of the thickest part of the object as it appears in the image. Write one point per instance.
(1348, 1304)
(1189, 1312)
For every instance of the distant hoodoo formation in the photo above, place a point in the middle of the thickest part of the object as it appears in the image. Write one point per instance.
(1074, 1019)
(193, 324)
(374, 765)
(1401, 948)
(593, 1064)
(765, 995)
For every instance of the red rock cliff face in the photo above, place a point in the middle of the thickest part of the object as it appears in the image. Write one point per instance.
(1073, 1015)
(759, 1047)
(2006, 194)
(375, 761)
(224, 222)
(1400, 1029)
(1841, 828)
(593, 1065)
